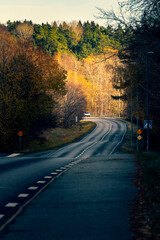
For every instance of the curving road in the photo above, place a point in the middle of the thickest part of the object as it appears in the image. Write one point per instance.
(27, 174)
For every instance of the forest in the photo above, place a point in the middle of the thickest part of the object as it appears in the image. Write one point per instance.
(51, 73)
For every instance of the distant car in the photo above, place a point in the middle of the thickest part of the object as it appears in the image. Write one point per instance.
(87, 114)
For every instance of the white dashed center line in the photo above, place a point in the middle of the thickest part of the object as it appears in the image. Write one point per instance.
(23, 195)
(48, 177)
(1, 216)
(59, 170)
(41, 182)
(14, 155)
(32, 188)
(54, 173)
(11, 204)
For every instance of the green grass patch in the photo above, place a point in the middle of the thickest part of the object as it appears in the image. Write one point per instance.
(57, 137)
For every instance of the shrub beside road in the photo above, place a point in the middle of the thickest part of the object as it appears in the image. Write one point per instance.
(146, 210)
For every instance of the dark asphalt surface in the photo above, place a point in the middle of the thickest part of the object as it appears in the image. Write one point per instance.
(19, 172)
(90, 201)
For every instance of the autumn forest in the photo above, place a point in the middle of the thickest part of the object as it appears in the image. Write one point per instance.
(50, 73)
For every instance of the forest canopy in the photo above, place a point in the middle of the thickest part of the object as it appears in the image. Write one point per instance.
(50, 69)
(141, 76)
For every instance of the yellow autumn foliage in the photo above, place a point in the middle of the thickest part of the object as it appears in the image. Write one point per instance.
(94, 75)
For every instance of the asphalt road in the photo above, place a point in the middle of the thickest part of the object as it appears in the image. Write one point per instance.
(22, 177)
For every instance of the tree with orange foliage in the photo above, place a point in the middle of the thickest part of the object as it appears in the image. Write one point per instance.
(8, 46)
(20, 100)
(71, 105)
(29, 79)
(53, 74)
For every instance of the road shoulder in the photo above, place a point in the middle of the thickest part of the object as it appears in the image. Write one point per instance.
(92, 200)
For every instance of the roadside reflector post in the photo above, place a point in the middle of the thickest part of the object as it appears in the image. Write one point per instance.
(139, 137)
(76, 120)
(20, 134)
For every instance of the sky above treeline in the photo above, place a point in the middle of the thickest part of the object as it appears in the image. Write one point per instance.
(43, 11)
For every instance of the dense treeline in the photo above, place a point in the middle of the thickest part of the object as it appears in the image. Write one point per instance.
(141, 62)
(100, 69)
(81, 39)
(52, 73)
(142, 76)
(94, 75)
(29, 78)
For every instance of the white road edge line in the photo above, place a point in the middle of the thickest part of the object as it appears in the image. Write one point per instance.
(119, 141)
(107, 132)
(51, 154)
(95, 142)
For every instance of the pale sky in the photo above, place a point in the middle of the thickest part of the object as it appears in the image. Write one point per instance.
(43, 11)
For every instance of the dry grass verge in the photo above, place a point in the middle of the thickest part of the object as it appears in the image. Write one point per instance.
(146, 208)
(146, 211)
(57, 137)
